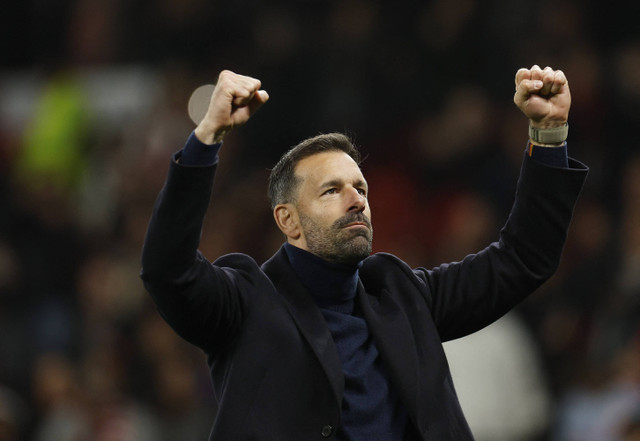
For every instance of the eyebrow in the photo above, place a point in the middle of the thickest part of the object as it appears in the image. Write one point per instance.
(340, 182)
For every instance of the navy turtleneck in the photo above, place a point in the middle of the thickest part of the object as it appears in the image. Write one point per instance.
(371, 410)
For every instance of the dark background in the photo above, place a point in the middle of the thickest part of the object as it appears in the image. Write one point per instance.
(93, 98)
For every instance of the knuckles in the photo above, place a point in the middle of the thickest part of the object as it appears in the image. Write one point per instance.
(225, 74)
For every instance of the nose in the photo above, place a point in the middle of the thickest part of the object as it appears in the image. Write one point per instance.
(357, 202)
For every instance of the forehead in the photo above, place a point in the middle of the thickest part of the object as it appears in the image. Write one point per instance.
(324, 166)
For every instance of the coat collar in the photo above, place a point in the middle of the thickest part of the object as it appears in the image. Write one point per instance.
(307, 317)
(386, 320)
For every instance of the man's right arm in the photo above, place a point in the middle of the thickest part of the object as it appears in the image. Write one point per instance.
(179, 278)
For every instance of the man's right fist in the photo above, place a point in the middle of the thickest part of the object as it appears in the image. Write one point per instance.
(234, 99)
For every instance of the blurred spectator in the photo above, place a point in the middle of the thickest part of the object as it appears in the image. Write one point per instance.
(500, 382)
(57, 395)
(605, 402)
(53, 154)
(13, 415)
(631, 431)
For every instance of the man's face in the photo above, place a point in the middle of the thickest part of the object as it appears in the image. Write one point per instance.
(333, 209)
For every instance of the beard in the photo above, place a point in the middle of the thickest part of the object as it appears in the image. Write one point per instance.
(337, 244)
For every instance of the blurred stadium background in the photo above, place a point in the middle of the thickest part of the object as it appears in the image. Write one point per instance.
(93, 98)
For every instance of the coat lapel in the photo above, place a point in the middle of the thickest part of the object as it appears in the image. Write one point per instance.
(307, 317)
(396, 345)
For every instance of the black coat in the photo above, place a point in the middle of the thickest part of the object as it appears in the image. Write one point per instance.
(275, 370)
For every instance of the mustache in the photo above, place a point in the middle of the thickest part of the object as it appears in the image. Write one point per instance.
(350, 218)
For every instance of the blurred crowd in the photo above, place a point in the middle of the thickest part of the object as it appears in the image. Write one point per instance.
(93, 99)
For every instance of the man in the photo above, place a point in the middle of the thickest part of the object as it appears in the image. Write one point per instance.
(324, 341)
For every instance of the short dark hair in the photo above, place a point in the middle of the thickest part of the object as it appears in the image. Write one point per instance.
(282, 181)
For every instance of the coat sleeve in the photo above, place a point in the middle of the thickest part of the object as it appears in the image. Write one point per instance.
(468, 295)
(201, 301)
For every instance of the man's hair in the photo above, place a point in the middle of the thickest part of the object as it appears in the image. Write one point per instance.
(283, 182)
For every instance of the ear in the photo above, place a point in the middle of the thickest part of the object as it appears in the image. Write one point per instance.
(286, 217)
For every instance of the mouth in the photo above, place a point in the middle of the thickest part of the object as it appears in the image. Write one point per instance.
(354, 222)
(358, 229)
(357, 225)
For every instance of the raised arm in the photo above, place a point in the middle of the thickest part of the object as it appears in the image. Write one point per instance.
(198, 299)
(468, 295)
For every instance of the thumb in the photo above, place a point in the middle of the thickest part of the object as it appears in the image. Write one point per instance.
(259, 98)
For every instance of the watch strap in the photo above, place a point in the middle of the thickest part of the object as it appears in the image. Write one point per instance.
(554, 135)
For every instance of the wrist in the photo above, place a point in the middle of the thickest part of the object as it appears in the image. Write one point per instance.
(546, 124)
(209, 135)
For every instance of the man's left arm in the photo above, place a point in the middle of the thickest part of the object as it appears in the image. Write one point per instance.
(471, 294)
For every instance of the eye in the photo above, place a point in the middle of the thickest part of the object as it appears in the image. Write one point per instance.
(362, 191)
(331, 191)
